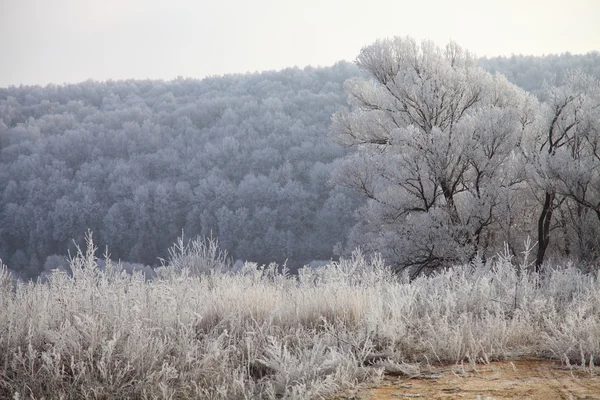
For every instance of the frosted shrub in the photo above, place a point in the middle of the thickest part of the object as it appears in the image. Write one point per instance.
(196, 257)
(263, 334)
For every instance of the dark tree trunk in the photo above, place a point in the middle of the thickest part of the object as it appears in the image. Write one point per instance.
(451, 206)
(544, 229)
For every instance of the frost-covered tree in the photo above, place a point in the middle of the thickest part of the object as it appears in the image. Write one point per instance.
(564, 155)
(435, 136)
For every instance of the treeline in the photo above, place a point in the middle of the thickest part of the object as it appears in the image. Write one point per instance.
(245, 158)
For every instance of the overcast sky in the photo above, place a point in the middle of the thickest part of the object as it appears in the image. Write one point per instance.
(57, 41)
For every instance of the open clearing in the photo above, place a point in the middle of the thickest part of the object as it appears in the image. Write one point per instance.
(523, 379)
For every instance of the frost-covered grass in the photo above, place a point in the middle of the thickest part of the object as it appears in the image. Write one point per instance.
(259, 333)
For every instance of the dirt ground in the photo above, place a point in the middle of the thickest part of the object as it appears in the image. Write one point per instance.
(523, 379)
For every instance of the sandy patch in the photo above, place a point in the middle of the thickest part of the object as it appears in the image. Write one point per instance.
(522, 379)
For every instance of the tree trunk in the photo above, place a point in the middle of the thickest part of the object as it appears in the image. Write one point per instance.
(451, 206)
(544, 229)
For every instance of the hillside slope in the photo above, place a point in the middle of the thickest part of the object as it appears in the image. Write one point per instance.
(245, 158)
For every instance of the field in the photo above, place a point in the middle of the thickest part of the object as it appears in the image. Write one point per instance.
(198, 330)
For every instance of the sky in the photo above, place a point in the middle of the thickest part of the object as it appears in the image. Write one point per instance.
(68, 41)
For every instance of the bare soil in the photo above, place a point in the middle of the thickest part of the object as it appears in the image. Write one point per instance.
(521, 379)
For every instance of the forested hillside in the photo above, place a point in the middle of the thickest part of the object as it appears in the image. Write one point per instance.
(530, 72)
(246, 158)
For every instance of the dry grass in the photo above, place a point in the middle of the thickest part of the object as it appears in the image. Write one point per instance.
(259, 333)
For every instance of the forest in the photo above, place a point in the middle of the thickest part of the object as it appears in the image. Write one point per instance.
(295, 234)
(246, 159)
